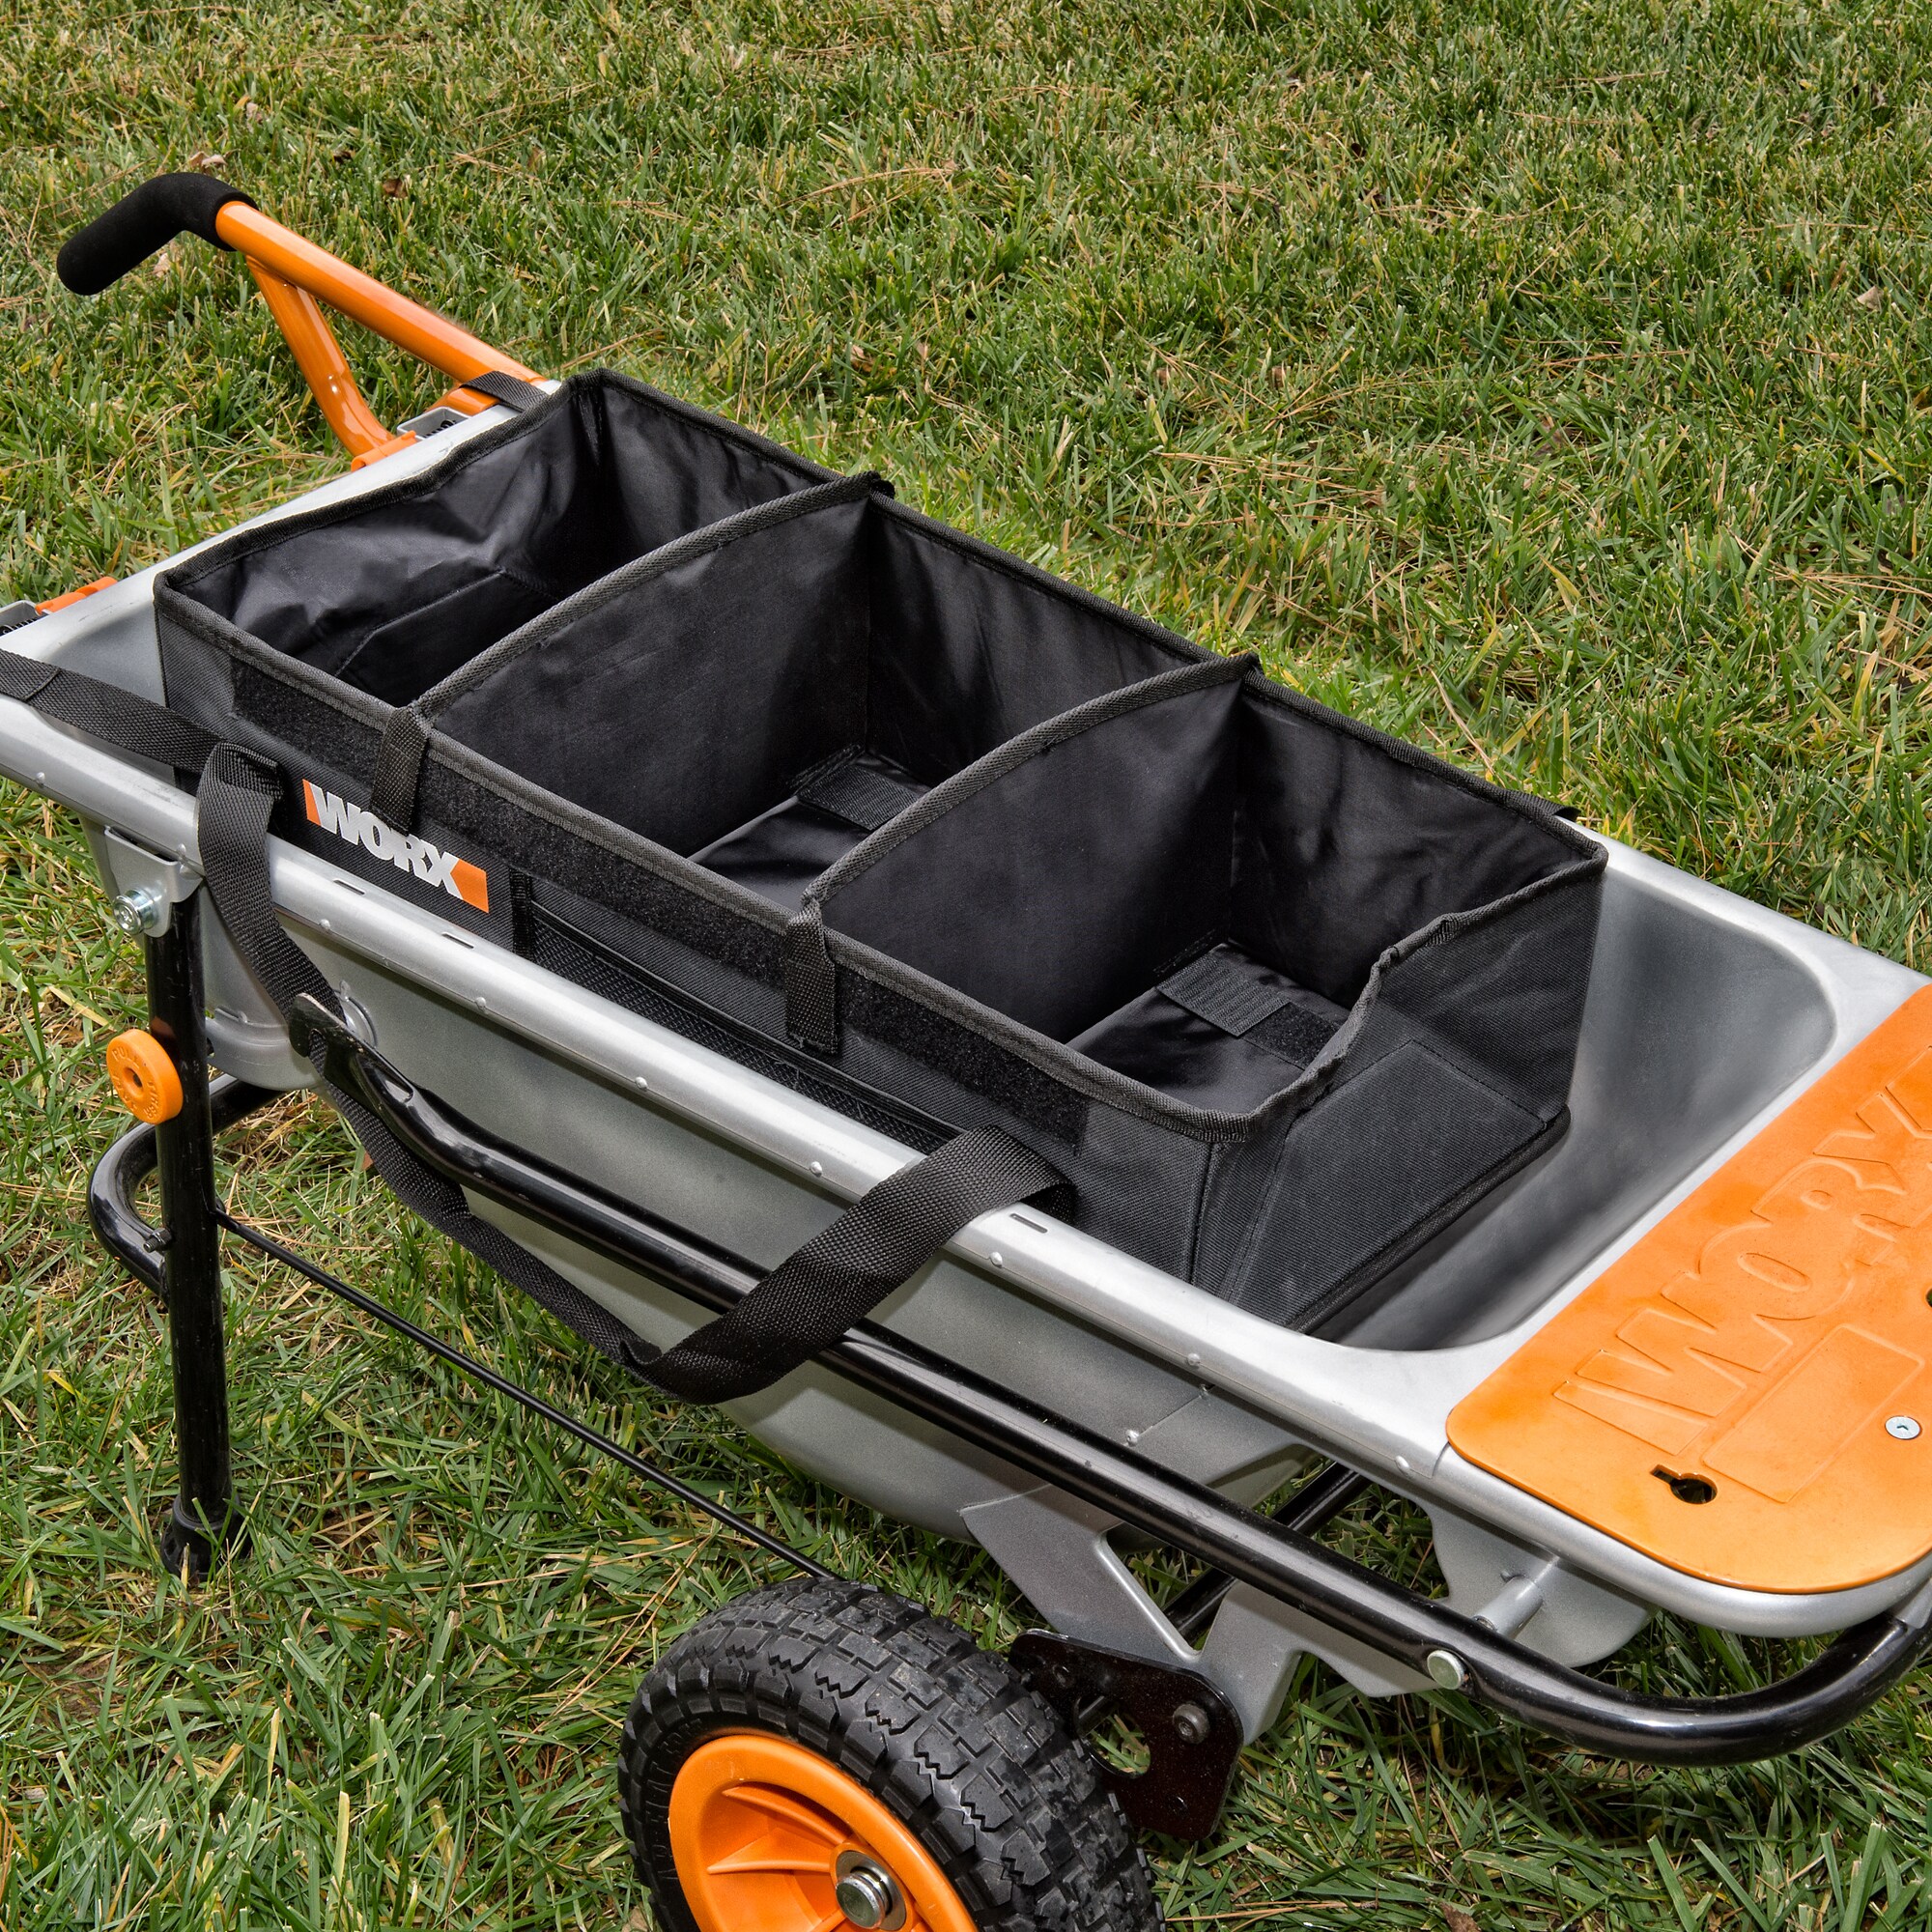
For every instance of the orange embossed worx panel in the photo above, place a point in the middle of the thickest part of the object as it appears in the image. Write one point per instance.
(1767, 1347)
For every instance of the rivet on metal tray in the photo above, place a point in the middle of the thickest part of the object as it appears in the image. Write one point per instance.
(481, 1000)
(1445, 1669)
(1133, 1436)
(997, 1260)
(818, 1167)
(1902, 1427)
(642, 1082)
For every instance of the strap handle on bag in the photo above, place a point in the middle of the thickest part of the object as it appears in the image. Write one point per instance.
(799, 1309)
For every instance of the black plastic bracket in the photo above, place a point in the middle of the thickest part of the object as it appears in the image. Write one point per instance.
(1193, 1734)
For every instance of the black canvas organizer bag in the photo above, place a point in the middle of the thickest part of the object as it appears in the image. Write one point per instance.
(757, 752)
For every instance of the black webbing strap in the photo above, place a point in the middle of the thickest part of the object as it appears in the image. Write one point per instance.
(800, 1308)
(399, 763)
(512, 391)
(1214, 988)
(105, 711)
(810, 980)
(858, 793)
(843, 1273)
(238, 795)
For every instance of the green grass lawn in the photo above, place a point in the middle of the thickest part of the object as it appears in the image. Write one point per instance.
(1545, 383)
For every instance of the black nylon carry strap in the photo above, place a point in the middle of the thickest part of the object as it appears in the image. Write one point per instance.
(105, 711)
(842, 1274)
(800, 1308)
(512, 391)
(238, 796)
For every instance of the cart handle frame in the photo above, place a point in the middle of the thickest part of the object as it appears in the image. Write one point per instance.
(296, 278)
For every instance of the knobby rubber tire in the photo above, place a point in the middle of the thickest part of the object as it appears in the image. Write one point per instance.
(1004, 1797)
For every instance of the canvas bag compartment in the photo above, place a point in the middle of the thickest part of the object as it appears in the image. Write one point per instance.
(1329, 995)
(1054, 879)
(394, 591)
(681, 694)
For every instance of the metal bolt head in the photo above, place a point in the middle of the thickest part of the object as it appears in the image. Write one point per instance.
(868, 1895)
(1445, 1668)
(1192, 1724)
(139, 911)
(1902, 1427)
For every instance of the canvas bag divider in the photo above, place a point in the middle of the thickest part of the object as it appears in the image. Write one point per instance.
(680, 695)
(1057, 876)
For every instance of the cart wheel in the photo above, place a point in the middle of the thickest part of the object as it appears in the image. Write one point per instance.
(822, 1755)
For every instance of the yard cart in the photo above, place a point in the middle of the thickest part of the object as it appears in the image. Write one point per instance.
(1043, 1079)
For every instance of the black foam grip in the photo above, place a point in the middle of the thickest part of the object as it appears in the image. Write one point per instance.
(139, 225)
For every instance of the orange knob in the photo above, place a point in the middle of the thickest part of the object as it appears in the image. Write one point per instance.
(144, 1076)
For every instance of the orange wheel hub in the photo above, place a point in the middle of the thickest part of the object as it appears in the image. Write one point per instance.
(144, 1076)
(770, 1838)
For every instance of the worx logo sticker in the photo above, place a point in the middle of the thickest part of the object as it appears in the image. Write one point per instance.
(1743, 1393)
(404, 850)
(1835, 1227)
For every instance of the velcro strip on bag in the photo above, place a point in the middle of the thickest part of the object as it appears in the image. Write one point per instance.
(1224, 989)
(857, 792)
(1214, 988)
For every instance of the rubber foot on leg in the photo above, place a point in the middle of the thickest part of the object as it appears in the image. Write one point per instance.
(189, 1550)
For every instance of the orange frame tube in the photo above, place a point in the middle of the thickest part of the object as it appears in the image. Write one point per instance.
(295, 276)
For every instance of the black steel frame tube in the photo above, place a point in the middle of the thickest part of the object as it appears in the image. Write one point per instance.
(203, 1520)
(1321, 1498)
(1859, 1667)
(128, 1235)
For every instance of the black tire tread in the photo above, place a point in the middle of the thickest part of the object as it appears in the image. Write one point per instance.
(1005, 1799)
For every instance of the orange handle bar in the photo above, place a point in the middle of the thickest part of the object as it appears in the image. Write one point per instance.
(361, 297)
(296, 277)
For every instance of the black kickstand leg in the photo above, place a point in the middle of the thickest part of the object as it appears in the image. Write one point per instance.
(203, 1521)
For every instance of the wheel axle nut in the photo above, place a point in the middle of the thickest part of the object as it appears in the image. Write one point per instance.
(866, 1895)
(1192, 1724)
